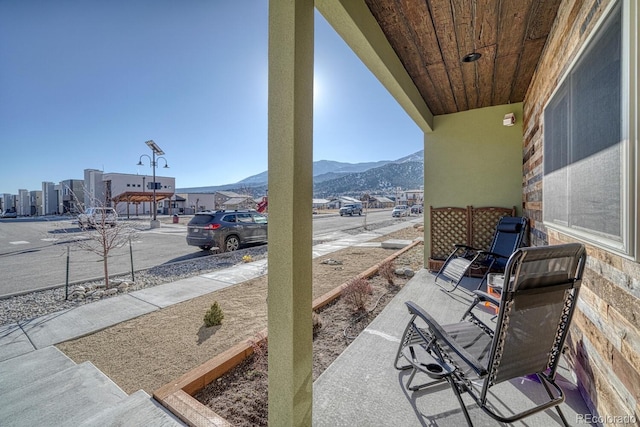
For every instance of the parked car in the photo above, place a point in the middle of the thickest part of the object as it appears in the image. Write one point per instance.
(98, 217)
(351, 209)
(9, 214)
(416, 209)
(227, 230)
(399, 211)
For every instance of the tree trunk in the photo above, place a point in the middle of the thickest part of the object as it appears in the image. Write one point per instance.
(106, 271)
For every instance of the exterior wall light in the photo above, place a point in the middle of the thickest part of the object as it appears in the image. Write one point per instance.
(509, 119)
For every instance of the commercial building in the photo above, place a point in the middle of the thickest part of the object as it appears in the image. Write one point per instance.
(72, 196)
(35, 202)
(132, 194)
(50, 198)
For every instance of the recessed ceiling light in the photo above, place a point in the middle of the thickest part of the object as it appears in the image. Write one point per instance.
(471, 57)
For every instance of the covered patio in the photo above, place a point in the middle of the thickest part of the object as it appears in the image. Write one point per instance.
(138, 198)
(361, 388)
(477, 78)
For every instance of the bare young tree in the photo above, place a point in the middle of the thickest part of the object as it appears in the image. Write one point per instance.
(102, 233)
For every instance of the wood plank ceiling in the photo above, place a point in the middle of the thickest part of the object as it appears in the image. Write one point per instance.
(432, 36)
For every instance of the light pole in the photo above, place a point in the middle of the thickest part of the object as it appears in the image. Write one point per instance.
(155, 151)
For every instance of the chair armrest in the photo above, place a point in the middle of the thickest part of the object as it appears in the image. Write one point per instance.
(468, 248)
(464, 251)
(444, 338)
(482, 296)
(493, 254)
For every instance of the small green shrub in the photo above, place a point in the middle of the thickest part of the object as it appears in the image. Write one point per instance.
(214, 315)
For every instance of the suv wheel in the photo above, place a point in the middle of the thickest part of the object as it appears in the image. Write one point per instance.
(231, 243)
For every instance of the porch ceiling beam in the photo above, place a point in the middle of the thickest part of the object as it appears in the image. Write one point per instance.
(354, 22)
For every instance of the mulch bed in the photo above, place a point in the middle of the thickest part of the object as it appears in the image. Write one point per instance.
(240, 396)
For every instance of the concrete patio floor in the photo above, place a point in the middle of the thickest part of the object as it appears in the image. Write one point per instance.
(362, 388)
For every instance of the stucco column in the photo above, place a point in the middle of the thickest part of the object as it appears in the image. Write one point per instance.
(290, 215)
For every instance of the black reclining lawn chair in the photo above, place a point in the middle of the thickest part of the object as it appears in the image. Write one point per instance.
(536, 308)
(508, 237)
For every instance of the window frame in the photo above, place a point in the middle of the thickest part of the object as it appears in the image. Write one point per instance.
(629, 243)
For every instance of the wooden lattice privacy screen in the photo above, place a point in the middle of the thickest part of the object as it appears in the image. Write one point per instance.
(467, 226)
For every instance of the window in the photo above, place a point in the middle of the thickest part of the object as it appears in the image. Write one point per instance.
(586, 162)
(259, 219)
(229, 218)
(245, 217)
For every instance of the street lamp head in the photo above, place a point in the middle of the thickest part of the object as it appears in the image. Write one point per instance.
(140, 160)
(166, 164)
(154, 147)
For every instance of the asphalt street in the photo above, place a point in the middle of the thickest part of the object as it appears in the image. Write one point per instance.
(34, 252)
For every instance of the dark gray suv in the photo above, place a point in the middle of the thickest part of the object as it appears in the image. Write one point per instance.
(351, 209)
(227, 230)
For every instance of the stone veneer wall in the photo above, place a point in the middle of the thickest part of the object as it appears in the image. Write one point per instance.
(605, 334)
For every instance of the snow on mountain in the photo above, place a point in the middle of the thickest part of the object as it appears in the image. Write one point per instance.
(338, 175)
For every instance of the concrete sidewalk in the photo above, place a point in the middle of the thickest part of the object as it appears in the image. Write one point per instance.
(23, 337)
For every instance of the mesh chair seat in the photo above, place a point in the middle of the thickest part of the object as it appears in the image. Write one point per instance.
(509, 236)
(536, 308)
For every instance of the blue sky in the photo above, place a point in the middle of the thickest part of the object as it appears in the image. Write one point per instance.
(83, 84)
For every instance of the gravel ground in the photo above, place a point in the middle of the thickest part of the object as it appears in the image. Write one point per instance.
(36, 304)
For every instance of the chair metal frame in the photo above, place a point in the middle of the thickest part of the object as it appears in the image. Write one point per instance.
(536, 308)
(464, 258)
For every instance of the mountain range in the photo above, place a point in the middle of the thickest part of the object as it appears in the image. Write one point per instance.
(332, 178)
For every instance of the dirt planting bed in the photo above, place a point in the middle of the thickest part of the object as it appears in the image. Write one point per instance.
(154, 349)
